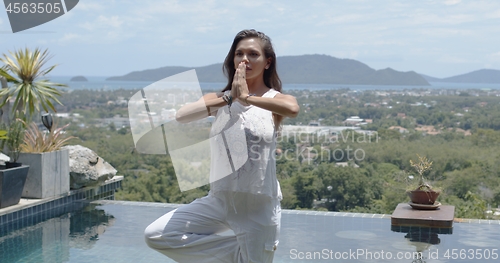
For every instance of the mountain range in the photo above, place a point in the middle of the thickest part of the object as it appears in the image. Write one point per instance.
(305, 69)
(479, 76)
(320, 69)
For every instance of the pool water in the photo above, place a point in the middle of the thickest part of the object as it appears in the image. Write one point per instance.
(112, 231)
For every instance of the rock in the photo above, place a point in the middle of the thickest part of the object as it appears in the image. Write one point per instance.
(78, 78)
(87, 168)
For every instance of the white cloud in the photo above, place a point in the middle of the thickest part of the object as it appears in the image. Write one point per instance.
(424, 16)
(103, 22)
(342, 19)
(493, 15)
(452, 2)
(206, 28)
(67, 38)
(388, 42)
(440, 32)
(87, 25)
(173, 7)
(250, 4)
(452, 59)
(113, 21)
(101, 29)
(88, 6)
(377, 32)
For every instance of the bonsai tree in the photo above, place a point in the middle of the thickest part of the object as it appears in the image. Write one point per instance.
(423, 165)
(25, 70)
(423, 193)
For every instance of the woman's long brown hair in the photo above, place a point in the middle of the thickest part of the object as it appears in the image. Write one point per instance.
(271, 78)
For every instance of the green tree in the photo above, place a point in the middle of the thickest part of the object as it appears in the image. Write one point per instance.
(350, 188)
(305, 189)
(24, 69)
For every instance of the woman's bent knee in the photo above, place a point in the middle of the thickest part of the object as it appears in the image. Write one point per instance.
(153, 236)
(155, 233)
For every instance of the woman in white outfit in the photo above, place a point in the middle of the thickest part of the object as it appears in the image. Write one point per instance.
(247, 200)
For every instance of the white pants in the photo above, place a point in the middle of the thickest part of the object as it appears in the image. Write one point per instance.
(190, 233)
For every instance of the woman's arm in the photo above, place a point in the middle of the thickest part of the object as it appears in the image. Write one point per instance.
(201, 109)
(281, 104)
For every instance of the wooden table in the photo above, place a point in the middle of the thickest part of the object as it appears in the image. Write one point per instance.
(405, 215)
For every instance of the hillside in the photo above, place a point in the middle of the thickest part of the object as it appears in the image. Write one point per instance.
(430, 79)
(311, 69)
(478, 76)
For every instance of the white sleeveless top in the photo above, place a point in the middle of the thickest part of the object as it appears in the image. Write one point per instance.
(243, 148)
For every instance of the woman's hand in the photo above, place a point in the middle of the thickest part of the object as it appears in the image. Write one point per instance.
(239, 87)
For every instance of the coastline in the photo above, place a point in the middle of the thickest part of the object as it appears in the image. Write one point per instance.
(100, 83)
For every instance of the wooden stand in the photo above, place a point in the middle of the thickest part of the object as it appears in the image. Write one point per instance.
(405, 215)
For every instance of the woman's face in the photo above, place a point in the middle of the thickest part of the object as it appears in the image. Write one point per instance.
(251, 52)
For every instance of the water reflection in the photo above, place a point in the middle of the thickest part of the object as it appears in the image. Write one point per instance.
(39, 237)
(422, 238)
(86, 226)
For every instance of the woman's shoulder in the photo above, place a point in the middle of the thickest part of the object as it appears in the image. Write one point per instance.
(271, 93)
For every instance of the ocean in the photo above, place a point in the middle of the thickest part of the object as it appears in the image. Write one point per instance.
(100, 83)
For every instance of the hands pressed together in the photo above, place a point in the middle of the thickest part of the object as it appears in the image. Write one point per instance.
(282, 104)
(239, 87)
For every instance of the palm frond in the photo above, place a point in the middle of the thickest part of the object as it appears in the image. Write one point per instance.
(7, 76)
(24, 69)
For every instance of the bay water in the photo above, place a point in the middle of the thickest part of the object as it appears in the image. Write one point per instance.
(100, 83)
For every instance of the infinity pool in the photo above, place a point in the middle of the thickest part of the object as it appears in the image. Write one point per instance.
(112, 231)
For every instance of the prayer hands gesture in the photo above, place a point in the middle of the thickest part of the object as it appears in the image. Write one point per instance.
(239, 87)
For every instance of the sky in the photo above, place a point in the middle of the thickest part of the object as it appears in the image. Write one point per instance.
(439, 38)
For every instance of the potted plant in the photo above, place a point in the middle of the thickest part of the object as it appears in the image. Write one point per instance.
(13, 175)
(30, 92)
(12, 182)
(49, 173)
(423, 193)
(15, 134)
(3, 137)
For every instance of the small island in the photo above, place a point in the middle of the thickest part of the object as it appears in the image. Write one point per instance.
(78, 78)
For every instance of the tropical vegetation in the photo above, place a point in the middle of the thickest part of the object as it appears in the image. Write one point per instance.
(30, 91)
(375, 180)
(37, 141)
(25, 70)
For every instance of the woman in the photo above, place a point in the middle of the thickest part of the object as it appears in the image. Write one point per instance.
(245, 196)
